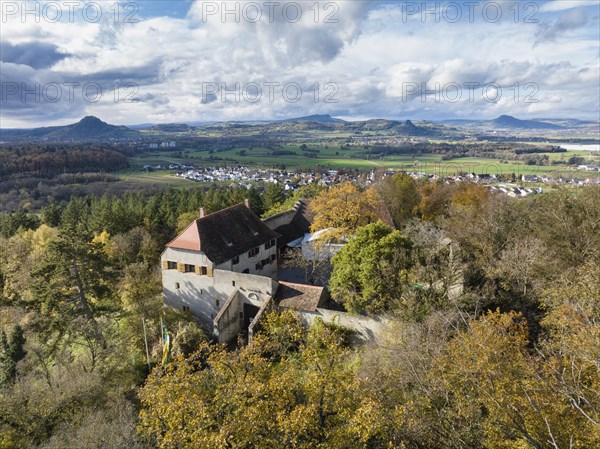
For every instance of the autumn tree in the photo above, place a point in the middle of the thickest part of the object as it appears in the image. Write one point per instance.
(370, 273)
(401, 195)
(304, 400)
(73, 280)
(571, 345)
(434, 200)
(437, 274)
(345, 208)
(494, 380)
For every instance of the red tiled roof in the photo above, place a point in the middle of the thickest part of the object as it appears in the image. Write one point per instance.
(299, 296)
(188, 239)
(224, 234)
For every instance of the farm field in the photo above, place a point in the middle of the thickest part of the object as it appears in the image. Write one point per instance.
(335, 158)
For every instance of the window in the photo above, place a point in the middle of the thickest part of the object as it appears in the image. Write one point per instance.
(258, 266)
(171, 265)
(185, 309)
(235, 260)
(253, 252)
(176, 285)
(246, 271)
(273, 257)
(233, 283)
(203, 271)
(189, 268)
(270, 244)
(217, 302)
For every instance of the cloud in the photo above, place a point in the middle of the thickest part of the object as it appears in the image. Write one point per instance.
(569, 21)
(366, 55)
(37, 95)
(561, 5)
(38, 55)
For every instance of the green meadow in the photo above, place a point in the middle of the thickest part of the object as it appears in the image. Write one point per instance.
(333, 156)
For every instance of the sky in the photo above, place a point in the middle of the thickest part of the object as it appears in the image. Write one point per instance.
(192, 61)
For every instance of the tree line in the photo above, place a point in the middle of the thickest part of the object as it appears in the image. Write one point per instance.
(509, 360)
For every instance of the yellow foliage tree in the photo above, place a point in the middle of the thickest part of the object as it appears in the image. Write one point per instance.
(345, 208)
(220, 399)
(39, 239)
(492, 378)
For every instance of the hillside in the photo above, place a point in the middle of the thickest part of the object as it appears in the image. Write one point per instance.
(325, 118)
(507, 121)
(88, 128)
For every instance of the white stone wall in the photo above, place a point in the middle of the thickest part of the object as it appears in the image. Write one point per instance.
(228, 323)
(205, 295)
(367, 329)
(249, 263)
(186, 256)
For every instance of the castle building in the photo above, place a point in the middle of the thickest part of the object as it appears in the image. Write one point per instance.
(218, 255)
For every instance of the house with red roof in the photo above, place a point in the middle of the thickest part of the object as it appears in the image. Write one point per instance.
(215, 256)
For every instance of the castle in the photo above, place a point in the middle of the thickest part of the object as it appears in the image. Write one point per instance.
(223, 270)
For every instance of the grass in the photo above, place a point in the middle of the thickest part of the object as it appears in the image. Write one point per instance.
(156, 177)
(331, 156)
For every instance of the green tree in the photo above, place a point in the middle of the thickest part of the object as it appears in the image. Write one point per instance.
(12, 351)
(8, 367)
(51, 215)
(401, 196)
(17, 343)
(273, 196)
(370, 273)
(73, 280)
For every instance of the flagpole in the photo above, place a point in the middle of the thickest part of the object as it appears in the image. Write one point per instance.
(162, 333)
(146, 343)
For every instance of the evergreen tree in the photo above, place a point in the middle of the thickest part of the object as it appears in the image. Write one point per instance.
(17, 344)
(51, 215)
(8, 367)
(274, 195)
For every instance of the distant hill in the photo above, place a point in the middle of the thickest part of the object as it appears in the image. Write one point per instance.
(568, 122)
(171, 128)
(507, 121)
(88, 128)
(391, 127)
(325, 118)
(407, 127)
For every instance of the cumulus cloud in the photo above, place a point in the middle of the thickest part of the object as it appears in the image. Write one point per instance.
(360, 62)
(38, 55)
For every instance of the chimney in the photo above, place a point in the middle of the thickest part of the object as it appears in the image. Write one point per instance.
(247, 203)
(202, 212)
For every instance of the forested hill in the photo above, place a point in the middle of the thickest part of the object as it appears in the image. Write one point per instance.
(88, 128)
(49, 159)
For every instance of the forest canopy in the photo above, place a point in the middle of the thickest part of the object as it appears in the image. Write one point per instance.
(508, 360)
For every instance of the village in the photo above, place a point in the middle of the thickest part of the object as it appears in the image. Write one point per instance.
(246, 177)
